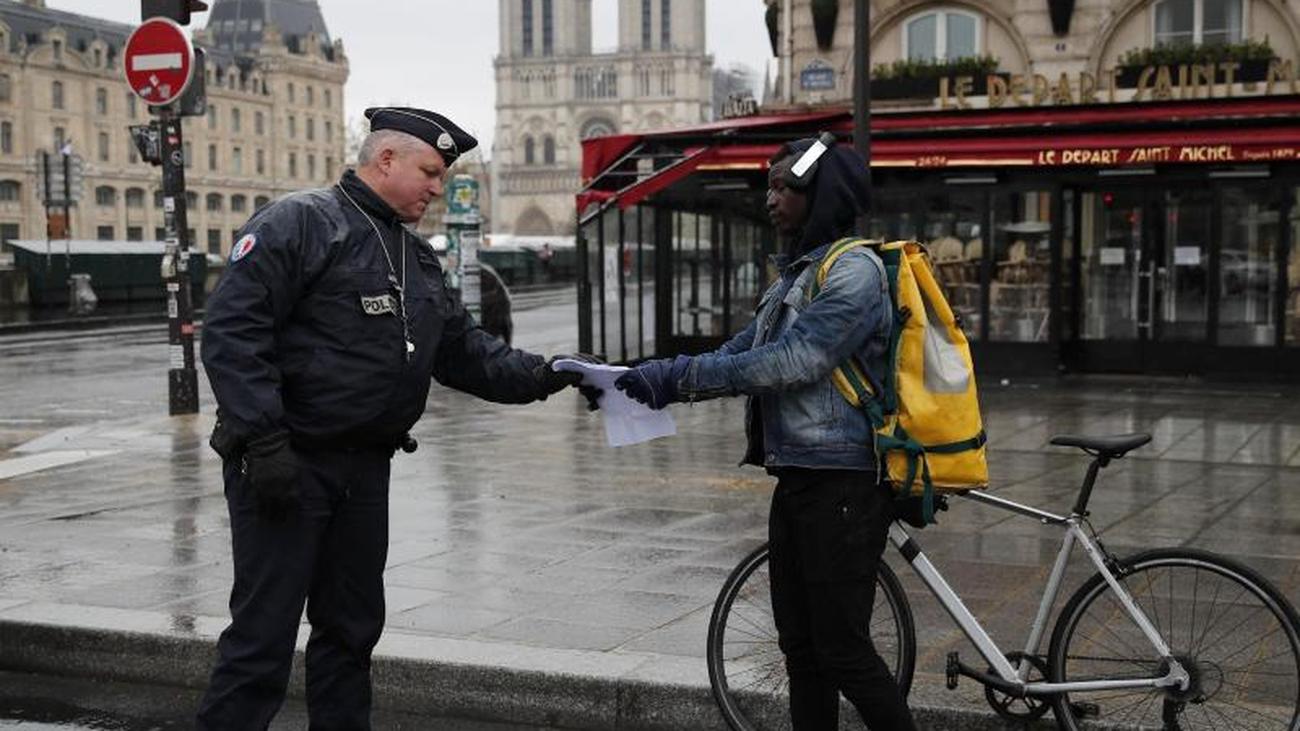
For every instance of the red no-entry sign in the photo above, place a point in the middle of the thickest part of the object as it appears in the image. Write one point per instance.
(159, 60)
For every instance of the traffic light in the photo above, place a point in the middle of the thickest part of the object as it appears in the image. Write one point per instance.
(177, 10)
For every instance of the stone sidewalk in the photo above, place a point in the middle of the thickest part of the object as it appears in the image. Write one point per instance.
(536, 576)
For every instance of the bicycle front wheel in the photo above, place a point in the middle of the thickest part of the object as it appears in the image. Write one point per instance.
(746, 666)
(1236, 636)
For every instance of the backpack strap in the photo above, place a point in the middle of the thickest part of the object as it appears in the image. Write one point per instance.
(851, 379)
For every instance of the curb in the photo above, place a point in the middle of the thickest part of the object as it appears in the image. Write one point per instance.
(470, 679)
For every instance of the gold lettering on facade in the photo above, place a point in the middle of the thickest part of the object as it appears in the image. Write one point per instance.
(1280, 70)
(1205, 153)
(1107, 156)
(1087, 88)
(965, 85)
(1164, 86)
(943, 94)
(1041, 87)
(1061, 94)
(997, 91)
(1144, 82)
(1149, 154)
(1202, 76)
(1018, 89)
(1229, 69)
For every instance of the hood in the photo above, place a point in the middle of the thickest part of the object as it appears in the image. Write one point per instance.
(837, 194)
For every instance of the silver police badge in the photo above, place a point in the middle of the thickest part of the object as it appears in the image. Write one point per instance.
(445, 142)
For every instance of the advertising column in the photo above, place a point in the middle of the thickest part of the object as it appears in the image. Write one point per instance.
(464, 237)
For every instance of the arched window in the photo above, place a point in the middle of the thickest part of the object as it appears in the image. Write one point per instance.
(530, 151)
(1210, 22)
(135, 197)
(56, 95)
(941, 35)
(214, 201)
(238, 202)
(105, 195)
(10, 190)
(260, 201)
(191, 201)
(597, 127)
(548, 150)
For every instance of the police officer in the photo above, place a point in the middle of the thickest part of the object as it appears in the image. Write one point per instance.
(319, 343)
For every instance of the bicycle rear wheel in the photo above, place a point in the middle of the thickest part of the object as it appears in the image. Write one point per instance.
(747, 668)
(1238, 638)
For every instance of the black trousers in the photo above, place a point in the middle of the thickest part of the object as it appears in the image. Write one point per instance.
(827, 530)
(328, 554)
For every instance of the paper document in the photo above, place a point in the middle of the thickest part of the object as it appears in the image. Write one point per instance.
(626, 421)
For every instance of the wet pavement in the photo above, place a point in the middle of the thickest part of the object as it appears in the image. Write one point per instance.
(520, 541)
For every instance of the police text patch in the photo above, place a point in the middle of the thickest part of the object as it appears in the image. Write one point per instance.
(384, 304)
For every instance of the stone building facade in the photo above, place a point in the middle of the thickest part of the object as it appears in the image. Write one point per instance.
(274, 123)
(553, 92)
(1085, 42)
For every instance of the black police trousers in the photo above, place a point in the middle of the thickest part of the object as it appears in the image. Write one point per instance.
(329, 554)
(827, 530)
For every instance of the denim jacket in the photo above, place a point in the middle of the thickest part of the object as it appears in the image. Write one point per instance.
(783, 360)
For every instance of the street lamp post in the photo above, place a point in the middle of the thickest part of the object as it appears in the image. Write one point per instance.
(862, 95)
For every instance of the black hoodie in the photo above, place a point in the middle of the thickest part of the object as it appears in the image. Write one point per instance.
(837, 193)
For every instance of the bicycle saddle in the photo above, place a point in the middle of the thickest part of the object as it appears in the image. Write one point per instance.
(1114, 446)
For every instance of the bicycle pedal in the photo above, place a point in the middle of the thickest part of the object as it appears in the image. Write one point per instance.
(1085, 709)
(953, 671)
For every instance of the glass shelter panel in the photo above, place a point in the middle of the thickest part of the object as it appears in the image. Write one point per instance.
(1293, 274)
(1248, 267)
(954, 234)
(697, 287)
(1022, 264)
(1179, 272)
(1110, 254)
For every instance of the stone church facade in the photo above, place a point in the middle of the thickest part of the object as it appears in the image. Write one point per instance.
(553, 91)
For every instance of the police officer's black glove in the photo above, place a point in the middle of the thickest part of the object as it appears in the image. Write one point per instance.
(272, 470)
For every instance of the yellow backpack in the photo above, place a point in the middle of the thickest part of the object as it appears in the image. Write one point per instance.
(929, 432)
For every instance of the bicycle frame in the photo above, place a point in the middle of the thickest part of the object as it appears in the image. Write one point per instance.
(1010, 678)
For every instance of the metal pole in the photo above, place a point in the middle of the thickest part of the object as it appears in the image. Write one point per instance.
(182, 378)
(67, 211)
(45, 185)
(862, 96)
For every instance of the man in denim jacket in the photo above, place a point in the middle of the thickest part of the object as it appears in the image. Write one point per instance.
(830, 514)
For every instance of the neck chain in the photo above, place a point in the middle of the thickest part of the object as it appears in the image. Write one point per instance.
(392, 270)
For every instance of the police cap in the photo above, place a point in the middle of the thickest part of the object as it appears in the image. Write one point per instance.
(441, 133)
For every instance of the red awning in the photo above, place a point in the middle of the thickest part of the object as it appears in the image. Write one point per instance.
(601, 152)
(1222, 144)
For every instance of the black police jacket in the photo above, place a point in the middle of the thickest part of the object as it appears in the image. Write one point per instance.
(304, 331)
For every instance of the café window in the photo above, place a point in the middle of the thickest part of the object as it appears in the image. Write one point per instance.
(954, 231)
(1209, 22)
(1249, 239)
(941, 35)
(1021, 274)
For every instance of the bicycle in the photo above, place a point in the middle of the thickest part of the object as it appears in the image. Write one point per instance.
(1209, 643)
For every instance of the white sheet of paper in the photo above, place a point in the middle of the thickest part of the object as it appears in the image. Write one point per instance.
(626, 421)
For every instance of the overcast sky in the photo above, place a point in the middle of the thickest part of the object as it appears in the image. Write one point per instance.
(438, 54)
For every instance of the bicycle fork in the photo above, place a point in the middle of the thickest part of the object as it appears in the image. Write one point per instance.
(1012, 679)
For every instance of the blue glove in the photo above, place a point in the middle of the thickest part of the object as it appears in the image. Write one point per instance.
(654, 382)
